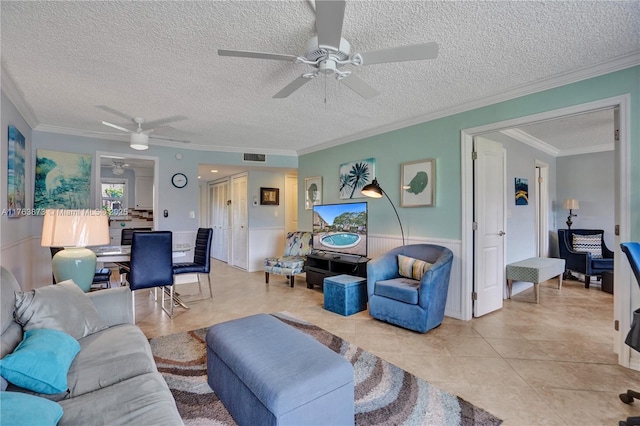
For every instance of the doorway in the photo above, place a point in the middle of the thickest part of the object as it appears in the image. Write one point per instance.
(239, 222)
(623, 295)
(219, 221)
(140, 173)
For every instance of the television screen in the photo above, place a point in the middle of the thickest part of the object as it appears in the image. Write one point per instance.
(340, 228)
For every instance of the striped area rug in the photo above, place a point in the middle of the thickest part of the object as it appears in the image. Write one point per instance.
(384, 393)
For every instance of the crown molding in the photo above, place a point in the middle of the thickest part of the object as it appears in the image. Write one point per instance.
(15, 96)
(617, 64)
(156, 142)
(587, 150)
(526, 138)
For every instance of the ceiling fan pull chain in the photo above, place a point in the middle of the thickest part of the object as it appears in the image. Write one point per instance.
(325, 91)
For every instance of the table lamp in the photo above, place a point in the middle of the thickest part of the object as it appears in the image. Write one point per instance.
(373, 190)
(571, 204)
(75, 230)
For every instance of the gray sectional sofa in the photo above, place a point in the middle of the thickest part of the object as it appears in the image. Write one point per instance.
(112, 380)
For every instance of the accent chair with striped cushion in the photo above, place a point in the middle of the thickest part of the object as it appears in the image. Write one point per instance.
(408, 285)
(585, 252)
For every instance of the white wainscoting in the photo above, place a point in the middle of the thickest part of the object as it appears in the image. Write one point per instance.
(31, 263)
(379, 244)
(28, 261)
(263, 243)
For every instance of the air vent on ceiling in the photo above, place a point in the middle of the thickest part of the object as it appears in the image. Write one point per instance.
(260, 158)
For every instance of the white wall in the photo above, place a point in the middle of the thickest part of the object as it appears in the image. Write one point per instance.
(590, 179)
(15, 233)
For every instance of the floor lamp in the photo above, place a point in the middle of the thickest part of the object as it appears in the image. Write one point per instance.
(571, 204)
(75, 230)
(374, 190)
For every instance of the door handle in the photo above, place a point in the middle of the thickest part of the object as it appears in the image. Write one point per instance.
(501, 233)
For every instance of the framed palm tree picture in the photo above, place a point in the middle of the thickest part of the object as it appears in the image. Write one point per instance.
(354, 176)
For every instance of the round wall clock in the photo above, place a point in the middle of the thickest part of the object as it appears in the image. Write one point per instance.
(179, 180)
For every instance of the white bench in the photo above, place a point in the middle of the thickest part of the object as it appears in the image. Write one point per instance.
(535, 270)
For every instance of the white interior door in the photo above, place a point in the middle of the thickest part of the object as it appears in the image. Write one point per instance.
(219, 195)
(291, 203)
(239, 222)
(542, 208)
(490, 168)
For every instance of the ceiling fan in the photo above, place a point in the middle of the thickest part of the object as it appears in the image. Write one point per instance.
(139, 136)
(118, 167)
(327, 52)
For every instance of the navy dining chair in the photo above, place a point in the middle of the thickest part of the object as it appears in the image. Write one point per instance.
(201, 264)
(150, 265)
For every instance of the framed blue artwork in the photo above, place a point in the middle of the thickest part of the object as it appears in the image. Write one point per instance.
(15, 173)
(63, 180)
(522, 191)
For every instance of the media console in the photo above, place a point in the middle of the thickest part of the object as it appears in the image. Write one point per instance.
(321, 265)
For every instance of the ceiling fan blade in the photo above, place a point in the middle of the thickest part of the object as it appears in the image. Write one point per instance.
(115, 112)
(164, 138)
(115, 126)
(151, 125)
(329, 18)
(257, 55)
(402, 53)
(292, 87)
(311, 5)
(359, 86)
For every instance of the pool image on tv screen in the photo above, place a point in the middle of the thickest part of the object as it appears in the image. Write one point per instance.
(340, 228)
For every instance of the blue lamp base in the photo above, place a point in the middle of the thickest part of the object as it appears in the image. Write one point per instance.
(77, 264)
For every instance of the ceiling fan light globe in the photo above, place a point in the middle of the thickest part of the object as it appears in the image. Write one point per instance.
(139, 141)
(327, 67)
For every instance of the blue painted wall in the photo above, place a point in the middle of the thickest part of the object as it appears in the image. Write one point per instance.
(440, 139)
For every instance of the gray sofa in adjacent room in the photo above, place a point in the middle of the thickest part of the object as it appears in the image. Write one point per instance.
(111, 380)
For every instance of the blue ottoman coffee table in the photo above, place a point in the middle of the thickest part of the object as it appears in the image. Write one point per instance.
(266, 372)
(345, 294)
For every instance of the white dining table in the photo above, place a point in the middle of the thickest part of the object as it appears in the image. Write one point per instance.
(106, 254)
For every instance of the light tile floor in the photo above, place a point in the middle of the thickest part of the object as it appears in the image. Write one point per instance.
(530, 364)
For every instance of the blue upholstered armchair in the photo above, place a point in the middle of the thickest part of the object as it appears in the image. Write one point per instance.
(291, 263)
(585, 252)
(414, 303)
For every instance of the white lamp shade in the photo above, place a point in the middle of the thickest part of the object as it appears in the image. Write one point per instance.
(139, 141)
(75, 228)
(571, 204)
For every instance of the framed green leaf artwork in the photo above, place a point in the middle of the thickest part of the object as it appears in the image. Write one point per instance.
(418, 183)
(312, 192)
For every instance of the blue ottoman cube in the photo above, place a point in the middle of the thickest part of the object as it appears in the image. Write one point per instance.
(266, 372)
(345, 294)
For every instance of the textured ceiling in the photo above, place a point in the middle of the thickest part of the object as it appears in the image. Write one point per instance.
(159, 59)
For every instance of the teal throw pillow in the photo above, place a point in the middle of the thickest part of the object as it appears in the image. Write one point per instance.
(19, 408)
(412, 268)
(40, 362)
